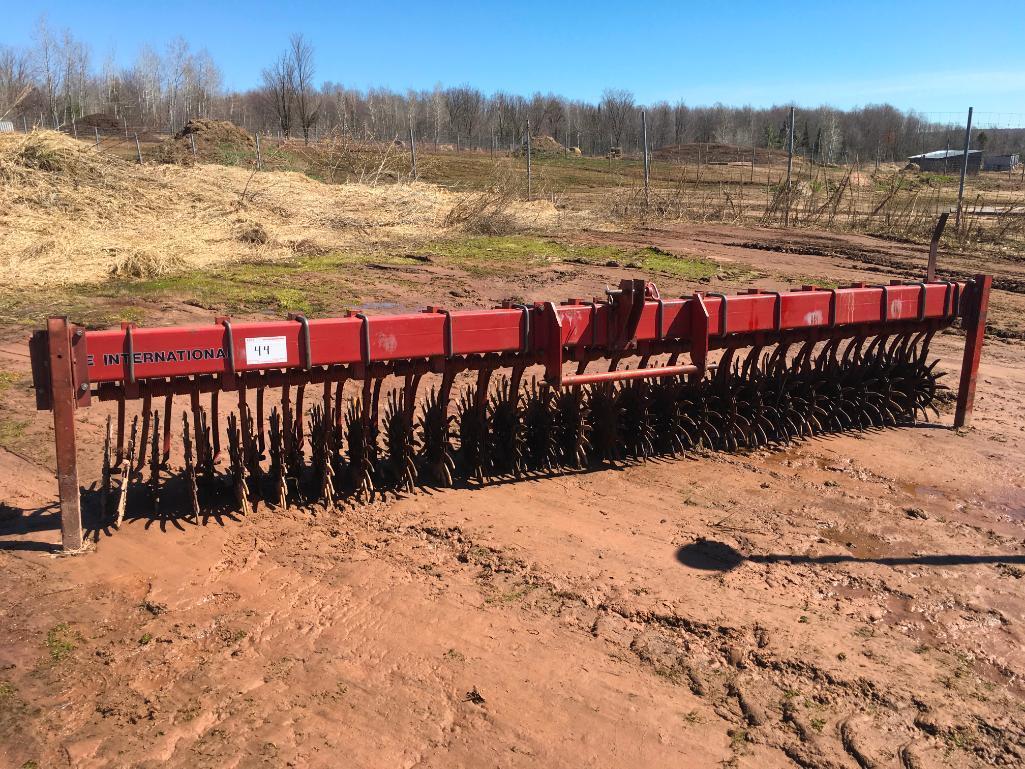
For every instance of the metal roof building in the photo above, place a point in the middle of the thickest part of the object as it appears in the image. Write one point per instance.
(948, 160)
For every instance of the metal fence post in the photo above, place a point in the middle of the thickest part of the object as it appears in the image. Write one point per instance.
(192, 141)
(138, 149)
(644, 129)
(790, 165)
(528, 160)
(97, 131)
(259, 158)
(964, 169)
(412, 147)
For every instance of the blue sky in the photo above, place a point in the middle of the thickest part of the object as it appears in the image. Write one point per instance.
(839, 53)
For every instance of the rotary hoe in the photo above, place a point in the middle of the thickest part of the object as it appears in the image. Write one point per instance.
(300, 411)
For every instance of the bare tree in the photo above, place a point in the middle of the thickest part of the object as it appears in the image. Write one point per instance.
(464, 106)
(278, 81)
(15, 79)
(307, 100)
(617, 105)
(50, 71)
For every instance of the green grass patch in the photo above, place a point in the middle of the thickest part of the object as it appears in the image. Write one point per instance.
(489, 255)
(305, 284)
(11, 431)
(61, 640)
(9, 379)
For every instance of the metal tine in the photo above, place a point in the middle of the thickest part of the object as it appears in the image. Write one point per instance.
(358, 440)
(165, 454)
(539, 446)
(120, 456)
(105, 488)
(300, 391)
(291, 427)
(572, 428)
(435, 462)
(803, 359)
(605, 421)
(473, 428)
(237, 465)
(399, 468)
(324, 438)
(147, 404)
(412, 385)
(251, 459)
(204, 450)
(286, 418)
(190, 466)
(126, 475)
(155, 464)
(243, 414)
(197, 422)
(725, 362)
(321, 446)
(635, 402)
(339, 408)
(505, 417)
(215, 430)
(277, 459)
(410, 388)
(922, 345)
(374, 426)
(260, 442)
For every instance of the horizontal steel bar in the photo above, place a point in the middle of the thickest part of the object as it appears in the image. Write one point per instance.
(138, 354)
(654, 372)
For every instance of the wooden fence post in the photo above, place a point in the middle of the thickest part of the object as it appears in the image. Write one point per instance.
(975, 330)
(62, 396)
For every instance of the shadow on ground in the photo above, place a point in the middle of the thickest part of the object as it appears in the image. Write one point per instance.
(710, 555)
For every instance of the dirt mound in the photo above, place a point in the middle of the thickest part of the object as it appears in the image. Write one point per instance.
(218, 132)
(211, 138)
(71, 215)
(717, 154)
(102, 120)
(541, 146)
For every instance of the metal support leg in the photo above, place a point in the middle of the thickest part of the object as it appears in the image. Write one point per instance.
(62, 390)
(975, 329)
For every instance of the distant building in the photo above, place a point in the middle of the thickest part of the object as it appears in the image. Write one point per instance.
(1000, 162)
(948, 161)
(6, 127)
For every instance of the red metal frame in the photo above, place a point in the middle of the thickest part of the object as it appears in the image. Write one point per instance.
(71, 364)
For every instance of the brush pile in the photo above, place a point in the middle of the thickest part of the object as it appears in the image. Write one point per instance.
(70, 213)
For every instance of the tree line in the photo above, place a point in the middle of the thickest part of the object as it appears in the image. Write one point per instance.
(57, 80)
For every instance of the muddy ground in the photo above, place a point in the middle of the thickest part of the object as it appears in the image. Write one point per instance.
(848, 601)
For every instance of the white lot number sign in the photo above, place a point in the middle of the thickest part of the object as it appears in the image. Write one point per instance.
(261, 350)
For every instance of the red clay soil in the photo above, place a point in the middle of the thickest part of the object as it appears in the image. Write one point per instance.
(849, 601)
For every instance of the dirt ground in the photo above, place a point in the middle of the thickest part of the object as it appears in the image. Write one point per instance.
(849, 601)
